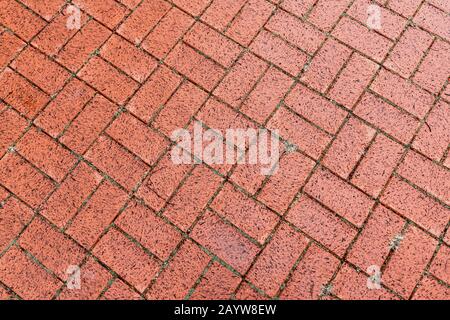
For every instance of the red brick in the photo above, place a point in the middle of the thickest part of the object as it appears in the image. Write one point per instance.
(440, 267)
(408, 262)
(108, 12)
(134, 62)
(138, 138)
(42, 71)
(348, 147)
(339, 196)
(53, 37)
(64, 108)
(120, 291)
(296, 31)
(108, 80)
(441, 4)
(10, 46)
(131, 4)
(326, 13)
(248, 215)
(405, 7)
(3, 194)
(279, 52)
(315, 108)
(326, 65)
(297, 7)
(224, 51)
(225, 242)
(180, 108)
(24, 180)
(246, 292)
(221, 12)
(162, 182)
(154, 93)
(11, 127)
(435, 68)
(217, 284)
(282, 186)
(434, 136)
(433, 20)
(431, 289)
(15, 216)
(353, 80)
(195, 66)
(111, 158)
(97, 215)
(322, 225)
(311, 275)
(376, 239)
(388, 118)
(143, 19)
(267, 94)
(298, 131)
(46, 154)
(5, 294)
(351, 285)
(416, 206)
(25, 277)
(94, 279)
(392, 24)
(53, 249)
(167, 33)
(376, 167)
(403, 93)
(408, 51)
(20, 20)
(181, 274)
(83, 131)
(127, 259)
(64, 203)
(427, 175)
(20, 94)
(79, 49)
(46, 10)
(361, 38)
(150, 230)
(194, 7)
(277, 259)
(249, 21)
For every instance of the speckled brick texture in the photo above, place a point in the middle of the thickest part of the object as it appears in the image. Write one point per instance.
(93, 207)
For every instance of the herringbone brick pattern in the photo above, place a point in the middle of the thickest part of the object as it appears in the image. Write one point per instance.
(86, 178)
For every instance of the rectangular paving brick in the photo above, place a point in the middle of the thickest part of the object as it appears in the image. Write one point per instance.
(408, 262)
(120, 291)
(86, 127)
(108, 12)
(194, 7)
(277, 259)
(225, 241)
(12, 126)
(376, 167)
(10, 46)
(128, 259)
(46, 154)
(151, 231)
(326, 64)
(433, 20)
(339, 196)
(24, 180)
(181, 274)
(311, 275)
(439, 266)
(73, 191)
(353, 79)
(108, 80)
(26, 277)
(110, 157)
(348, 147)
(326, 13)
(45, 10)
(379, 236)
(248, 215)
(64, 108)
(15, 216)
(431, 289)
(360, 37)
(296, 7)
(416, 206)
(405, 7)
(54, 250)
(192, 197)
(221, 13)
(321, 224)
(97, 214)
